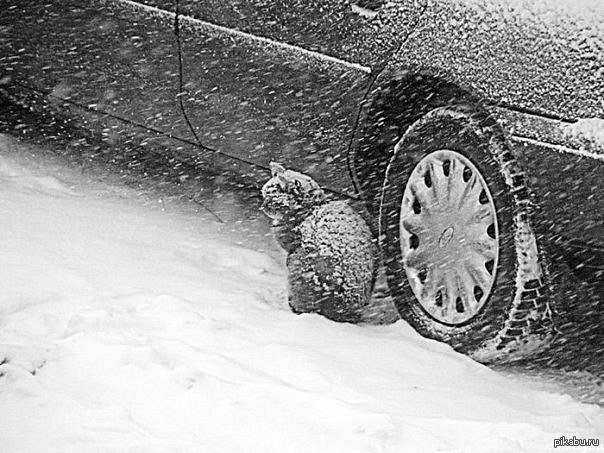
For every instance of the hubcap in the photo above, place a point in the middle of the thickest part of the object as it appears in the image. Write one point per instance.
(449, 236)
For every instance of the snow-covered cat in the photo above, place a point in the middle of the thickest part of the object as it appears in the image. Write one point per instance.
(332, 257)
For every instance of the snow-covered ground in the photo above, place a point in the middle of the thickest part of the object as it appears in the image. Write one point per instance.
(132, 325)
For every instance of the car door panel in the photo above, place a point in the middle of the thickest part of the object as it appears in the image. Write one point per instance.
(330, 27)
(96, 55)
(245, 96)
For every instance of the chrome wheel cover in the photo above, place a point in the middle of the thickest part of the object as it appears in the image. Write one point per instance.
(449, 237)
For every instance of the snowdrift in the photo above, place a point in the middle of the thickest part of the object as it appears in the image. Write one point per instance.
(129, 325)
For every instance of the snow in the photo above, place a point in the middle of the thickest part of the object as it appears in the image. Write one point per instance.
(129, 325)
(363, 12)
(575, 8)
(589, 131)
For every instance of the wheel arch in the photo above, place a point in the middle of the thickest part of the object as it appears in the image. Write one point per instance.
(398, 99)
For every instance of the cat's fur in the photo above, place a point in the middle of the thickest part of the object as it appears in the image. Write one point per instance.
(331, 252)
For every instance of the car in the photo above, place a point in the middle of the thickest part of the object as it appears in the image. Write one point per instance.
(470, 130)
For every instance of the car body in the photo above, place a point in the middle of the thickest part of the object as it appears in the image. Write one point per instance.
(241, 83)
(284, 80)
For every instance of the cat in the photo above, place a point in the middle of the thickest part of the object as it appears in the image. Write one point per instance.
(331, 252)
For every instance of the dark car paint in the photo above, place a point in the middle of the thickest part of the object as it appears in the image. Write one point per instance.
(264, 104)
(113, 64)
(96, 58)
(251, 100)
(329, 27)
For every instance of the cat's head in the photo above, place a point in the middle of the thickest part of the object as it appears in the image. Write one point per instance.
(289, 194)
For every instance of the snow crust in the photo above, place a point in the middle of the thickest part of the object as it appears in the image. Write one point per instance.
(126, 327)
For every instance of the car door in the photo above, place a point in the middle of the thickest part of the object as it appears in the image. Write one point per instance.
(113, 67)
(258, 81)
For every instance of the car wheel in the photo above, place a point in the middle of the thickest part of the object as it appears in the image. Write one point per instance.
(461, 256)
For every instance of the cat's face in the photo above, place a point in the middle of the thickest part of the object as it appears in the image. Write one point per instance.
(289, 193)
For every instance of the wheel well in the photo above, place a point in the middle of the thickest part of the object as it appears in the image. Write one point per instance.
(396, 103)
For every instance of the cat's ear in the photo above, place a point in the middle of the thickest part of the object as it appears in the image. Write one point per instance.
(276, 169)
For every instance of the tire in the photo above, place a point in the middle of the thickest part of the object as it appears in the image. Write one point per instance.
(464, 266)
